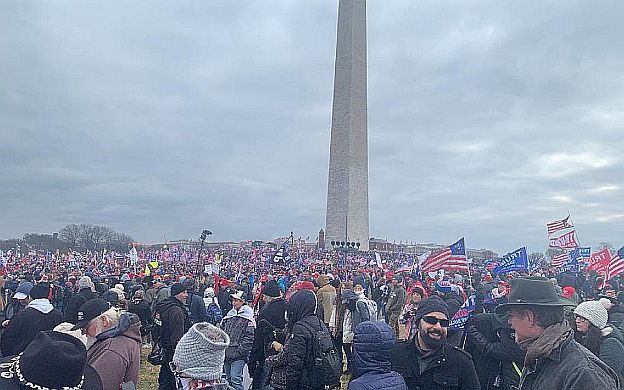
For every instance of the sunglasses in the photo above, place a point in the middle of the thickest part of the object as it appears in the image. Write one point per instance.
(434, 320)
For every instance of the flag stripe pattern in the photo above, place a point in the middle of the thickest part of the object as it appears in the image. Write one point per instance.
(559, 260)
(555, 226)
(616, 265)
(452, 258)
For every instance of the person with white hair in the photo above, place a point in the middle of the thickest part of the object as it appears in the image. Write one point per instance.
(113, 342)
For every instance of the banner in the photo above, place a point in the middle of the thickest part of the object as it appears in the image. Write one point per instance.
(514, 261)
(567, 241)
(134, 257)
(580, 254)
(599, 261)
(459, 319)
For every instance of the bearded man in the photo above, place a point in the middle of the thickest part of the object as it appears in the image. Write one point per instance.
(114, 342)
(427, 361)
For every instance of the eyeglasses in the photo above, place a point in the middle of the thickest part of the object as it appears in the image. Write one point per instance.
(581, 319)
(434, 320)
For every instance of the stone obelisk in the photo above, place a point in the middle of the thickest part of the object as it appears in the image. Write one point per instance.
(347, 193)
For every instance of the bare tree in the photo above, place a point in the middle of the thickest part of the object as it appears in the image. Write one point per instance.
(70, 234)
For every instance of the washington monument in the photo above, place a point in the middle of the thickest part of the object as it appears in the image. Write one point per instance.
(347, 192)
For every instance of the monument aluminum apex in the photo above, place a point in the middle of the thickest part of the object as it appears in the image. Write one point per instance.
(347, 192)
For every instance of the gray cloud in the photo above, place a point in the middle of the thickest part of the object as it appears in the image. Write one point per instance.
(486, 120)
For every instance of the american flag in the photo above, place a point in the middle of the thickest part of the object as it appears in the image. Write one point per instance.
(560, 259)
(451, 258)
(616, 265)
(558, 225)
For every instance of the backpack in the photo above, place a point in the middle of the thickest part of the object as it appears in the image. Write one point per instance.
(327, 365)
(371, 306)
(215, 315)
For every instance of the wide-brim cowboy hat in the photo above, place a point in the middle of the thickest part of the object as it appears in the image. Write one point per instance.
(533, 291)
(53, 360)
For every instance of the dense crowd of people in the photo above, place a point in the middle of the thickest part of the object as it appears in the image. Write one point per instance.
(308, 323)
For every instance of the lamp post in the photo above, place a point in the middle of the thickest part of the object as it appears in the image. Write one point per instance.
(205, 233)
(345, 247)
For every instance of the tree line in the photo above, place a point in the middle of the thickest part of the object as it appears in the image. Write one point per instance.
(80, 237)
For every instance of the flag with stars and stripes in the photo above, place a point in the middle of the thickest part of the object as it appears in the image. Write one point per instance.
(616, 265)
(451, 258)
(555, 226)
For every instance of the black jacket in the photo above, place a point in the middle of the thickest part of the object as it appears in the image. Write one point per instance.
(175, 322)
(71, 311)
(142, 309)
(451, 368)
(23, 328)
(270, 319)
(494, 351)
(300, 355)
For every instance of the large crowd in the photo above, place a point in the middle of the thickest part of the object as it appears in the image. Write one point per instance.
(318, 320)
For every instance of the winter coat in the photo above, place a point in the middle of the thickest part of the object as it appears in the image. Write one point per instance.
(71, 311)
(240, 326)
(450, 368)
(25, 325)
(326, 296)
(271, 318)
(197, 308)
(358, 308)
(175, 322)
(494, 351)
(616, 317)
(162, 295)
(373, 343)
(396, 300)
(612, 349)
(116, 353)
(300, 355)
(571, 367)
(453, 301)
(142, 309)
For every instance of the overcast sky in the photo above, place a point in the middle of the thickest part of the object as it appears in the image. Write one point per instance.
(487, 119)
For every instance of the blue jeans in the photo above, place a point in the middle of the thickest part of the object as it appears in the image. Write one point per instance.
(234, 373)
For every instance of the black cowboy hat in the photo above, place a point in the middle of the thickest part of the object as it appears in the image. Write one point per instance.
(53, 360)
(533, 291)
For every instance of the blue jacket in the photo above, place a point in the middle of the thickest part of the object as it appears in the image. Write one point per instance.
(373, 342)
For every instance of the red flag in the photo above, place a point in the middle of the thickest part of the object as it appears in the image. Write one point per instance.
(599, 261)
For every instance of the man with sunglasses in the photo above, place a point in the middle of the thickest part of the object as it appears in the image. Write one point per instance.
(427, 361)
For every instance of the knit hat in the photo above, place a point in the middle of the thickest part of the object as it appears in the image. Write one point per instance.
(271, 289)
(429, 305)
(177, 288)
(119, 287)
(39, 291)
(606, 302)
(594, 312)
(201, 351)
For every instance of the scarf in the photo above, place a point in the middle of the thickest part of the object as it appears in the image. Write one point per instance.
(543, 345)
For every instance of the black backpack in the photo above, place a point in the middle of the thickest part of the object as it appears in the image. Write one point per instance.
(327, 365)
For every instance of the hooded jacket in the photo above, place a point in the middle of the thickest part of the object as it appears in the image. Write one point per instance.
(73, 306)
(358, 308)
(240, 326)
(25, 325)
(301, 311)
(116, 353)
(373, 343)
(326, 296)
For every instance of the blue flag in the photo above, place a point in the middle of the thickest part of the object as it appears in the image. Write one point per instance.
(579, 254)
(514, 261)
(459, 319)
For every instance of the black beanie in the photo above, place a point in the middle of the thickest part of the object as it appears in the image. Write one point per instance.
(271, 289)
(429, 305)
(177, 288)
(39, 291)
